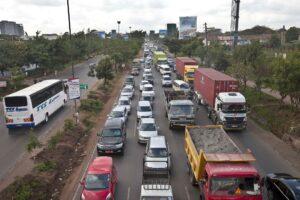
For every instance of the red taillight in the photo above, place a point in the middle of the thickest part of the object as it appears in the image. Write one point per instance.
(29, 119)
(9, 120)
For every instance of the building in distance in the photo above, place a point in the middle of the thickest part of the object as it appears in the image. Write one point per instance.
(171, 30)
(11, 28)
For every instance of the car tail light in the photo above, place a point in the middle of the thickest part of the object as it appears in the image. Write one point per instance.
(9, 120)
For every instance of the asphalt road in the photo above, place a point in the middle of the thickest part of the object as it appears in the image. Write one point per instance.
(13, 142)
(129, 166)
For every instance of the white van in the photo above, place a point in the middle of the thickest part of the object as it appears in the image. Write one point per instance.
(165, 70)
(179, 85)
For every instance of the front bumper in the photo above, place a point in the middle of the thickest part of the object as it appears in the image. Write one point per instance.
(109, 149)
(143, 139)
(231, 126)
(182, 122)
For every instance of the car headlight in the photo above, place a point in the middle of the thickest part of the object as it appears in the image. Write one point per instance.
(100, 146)
(108, 197)
(119, 145)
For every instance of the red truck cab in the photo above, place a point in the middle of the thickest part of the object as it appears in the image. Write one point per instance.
(230, 181)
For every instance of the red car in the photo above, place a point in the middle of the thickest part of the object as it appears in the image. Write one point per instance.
(100, 180)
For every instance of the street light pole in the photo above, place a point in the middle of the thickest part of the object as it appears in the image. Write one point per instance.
(119, 22)
(76, 115)
(129, 29)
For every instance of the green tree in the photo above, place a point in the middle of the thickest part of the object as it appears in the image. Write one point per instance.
(275, 41)
(292, 34)
(104, 70)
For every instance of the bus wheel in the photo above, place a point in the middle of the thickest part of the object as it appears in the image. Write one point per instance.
(46, 117)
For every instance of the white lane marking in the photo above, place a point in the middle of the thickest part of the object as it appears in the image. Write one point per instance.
(128, 193)
(187, 193)
(85, 169)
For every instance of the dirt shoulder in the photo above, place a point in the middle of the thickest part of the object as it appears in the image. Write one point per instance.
(71, 186)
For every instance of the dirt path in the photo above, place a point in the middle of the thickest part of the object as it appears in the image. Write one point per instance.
(73, 180)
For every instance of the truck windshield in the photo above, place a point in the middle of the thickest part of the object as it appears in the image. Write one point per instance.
(233, 108)
(190, 74)
(235, 186)
(181, 110)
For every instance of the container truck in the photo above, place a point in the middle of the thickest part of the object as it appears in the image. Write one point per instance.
(185, 69)
(218, 166)
(159, 58)
(219, 92)
(179, 109)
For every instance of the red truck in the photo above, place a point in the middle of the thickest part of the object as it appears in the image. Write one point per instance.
(220, 169)
(185, 68)
(219, 92)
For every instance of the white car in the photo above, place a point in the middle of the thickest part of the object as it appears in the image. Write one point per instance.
(148, 88)
(125, 102)
(146, 129)
(143, 82)
(147, 71)
(144, 110)
(119, 112)
(128, 91)
(165, 70)
(147, 97)
(166, 81)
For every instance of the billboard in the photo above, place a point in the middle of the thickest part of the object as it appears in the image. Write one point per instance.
(187, 27)
(162, 33)
(101, 34)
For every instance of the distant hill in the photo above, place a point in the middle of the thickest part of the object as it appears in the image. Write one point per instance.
(257, 30)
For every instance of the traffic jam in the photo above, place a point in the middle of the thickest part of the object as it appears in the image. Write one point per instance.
(215, 164)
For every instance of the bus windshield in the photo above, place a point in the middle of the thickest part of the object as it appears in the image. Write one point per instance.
(15, 101)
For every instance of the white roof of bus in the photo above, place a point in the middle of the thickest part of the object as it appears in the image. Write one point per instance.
(33, 88)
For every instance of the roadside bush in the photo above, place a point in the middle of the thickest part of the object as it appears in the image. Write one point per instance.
(33, 142)
(46, 166)
(88, 124)
(69, 125)
(54, 140)
(91, 105)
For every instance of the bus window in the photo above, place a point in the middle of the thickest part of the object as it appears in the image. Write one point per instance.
(15, 101)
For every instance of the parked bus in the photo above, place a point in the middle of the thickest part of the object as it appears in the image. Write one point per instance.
(34, 104)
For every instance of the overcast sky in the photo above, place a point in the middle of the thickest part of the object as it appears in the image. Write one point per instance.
(50, 16)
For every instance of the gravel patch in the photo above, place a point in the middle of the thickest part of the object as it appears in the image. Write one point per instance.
(212, 140)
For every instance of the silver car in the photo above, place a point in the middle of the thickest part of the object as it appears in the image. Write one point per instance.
(146, 129)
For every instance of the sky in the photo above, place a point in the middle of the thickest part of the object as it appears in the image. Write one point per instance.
(50, 16)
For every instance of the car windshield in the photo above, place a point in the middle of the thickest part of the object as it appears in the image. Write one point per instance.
(111, 133)
(148, 127)
(124, 102)
(167, 69)
(190, 74)
(184, 86)
(148, 88)
(181, 110)
(167, 78)
(233, 108)
(149, 77)
(146, 98)
(127, 90)
(129, 80)
(144, 108)
(235, 186)
(97, 181)
(116, 114)
(157, 152)
(157, 198)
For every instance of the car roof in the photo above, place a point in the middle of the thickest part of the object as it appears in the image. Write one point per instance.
(144, 81)
(147, 93)
(128, 86)
(147, 121)
(289, 181)
(100, 165)
(148, 85)
(180, 82)
(113, 123)
(123, 98)
(144, 103)
(164, 76)
(158, 142)
(181, 102)
(118, 108)
(129, 76)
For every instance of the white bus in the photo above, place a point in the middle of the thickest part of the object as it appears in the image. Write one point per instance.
(34, 104)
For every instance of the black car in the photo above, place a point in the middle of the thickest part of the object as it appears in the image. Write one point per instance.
(281, 186)
(112, 137)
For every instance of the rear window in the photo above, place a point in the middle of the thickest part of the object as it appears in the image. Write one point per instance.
(15, 101)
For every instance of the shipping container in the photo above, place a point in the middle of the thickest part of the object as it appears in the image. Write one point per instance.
(181, 62)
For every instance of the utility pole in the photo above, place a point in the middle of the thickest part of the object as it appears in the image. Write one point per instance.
(129, 29)
(119, 22)
(76, 114)
(206, 42)
(236, 17)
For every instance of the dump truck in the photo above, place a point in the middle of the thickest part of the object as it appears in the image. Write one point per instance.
(185, 69)
(159, 58)
(218, 166)
(219, 93)
(179, 109)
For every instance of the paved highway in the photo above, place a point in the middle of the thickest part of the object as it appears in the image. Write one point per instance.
(12, 143)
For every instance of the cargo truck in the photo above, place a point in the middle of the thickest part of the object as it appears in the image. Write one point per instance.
(218, 166)
(185, 69)
(159, 58)
(219, 92)
(179, 109)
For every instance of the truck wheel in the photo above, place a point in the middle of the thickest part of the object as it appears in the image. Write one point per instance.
(170, 126)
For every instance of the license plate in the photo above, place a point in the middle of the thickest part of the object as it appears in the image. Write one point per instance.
(234, 126)
(109, 151)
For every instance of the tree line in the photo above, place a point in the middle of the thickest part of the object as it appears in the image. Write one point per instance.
(267, 65)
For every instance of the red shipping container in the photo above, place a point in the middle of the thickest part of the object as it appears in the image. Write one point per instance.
(181, 62)
(209, 83)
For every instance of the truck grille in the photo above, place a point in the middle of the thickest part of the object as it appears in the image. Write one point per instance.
(234, 120)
